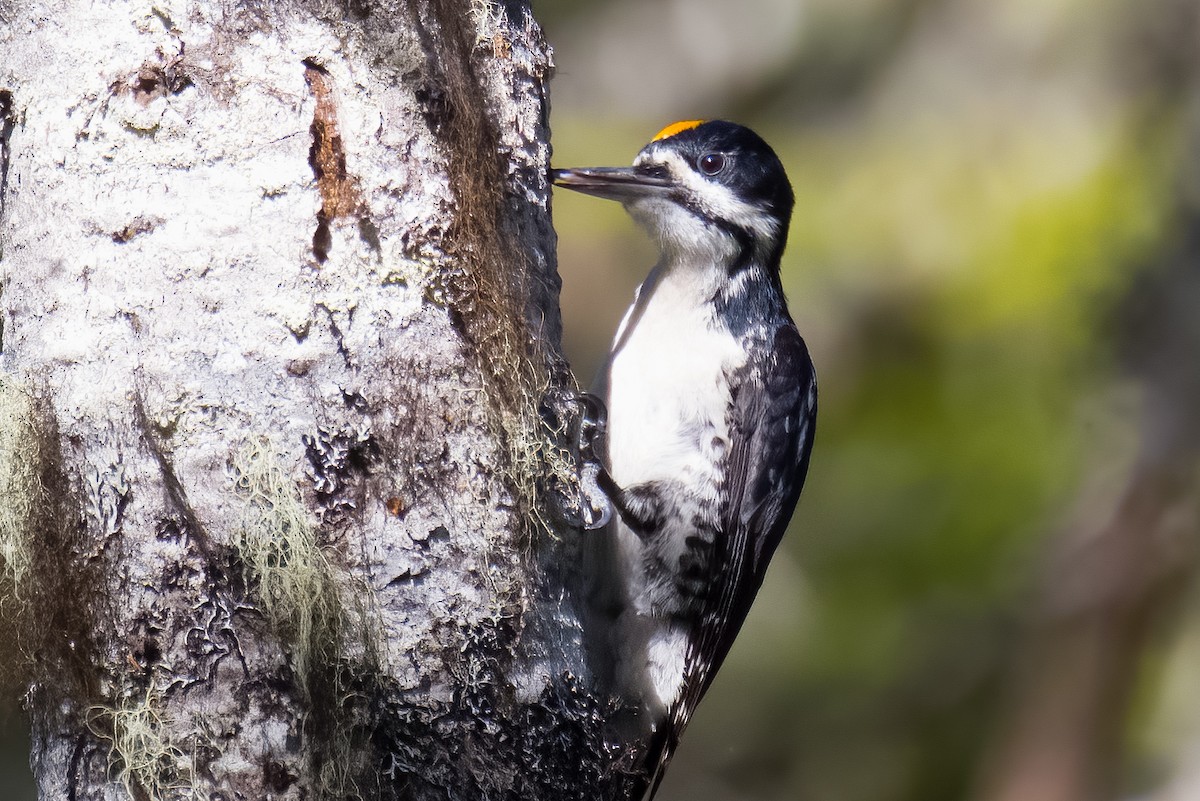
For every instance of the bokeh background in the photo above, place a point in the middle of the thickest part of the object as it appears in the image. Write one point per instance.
(987, 591)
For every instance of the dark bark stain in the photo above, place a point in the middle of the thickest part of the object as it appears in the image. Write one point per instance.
(8, 121)
(7, 124)
(556, 746)
(136, 227)
(339, 336)
(151, 651)
(339, 464)
(339, 190)
(176, 496)
(214, 638)
(73, 771)
(51, 625)
(277, 777)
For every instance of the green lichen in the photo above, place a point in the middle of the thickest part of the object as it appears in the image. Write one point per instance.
(486, 17)
(143, 758)
(293, 579)
(297, 590)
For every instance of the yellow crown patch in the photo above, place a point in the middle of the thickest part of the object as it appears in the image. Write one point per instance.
(677, 127)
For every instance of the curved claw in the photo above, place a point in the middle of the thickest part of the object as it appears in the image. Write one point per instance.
(597, 508)
(581, 420)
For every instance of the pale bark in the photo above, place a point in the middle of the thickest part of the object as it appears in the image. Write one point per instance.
(280, 328)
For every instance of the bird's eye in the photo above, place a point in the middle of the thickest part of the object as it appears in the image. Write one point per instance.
(711, 163)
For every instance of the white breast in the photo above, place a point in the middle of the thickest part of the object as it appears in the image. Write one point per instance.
(668, 396)
(668, 392)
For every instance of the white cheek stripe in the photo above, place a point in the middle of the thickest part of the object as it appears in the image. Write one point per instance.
(714, 200)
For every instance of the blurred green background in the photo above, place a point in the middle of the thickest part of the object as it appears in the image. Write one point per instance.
(987, 590)
(984, 593)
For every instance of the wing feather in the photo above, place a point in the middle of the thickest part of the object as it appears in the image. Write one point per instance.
(771, 425)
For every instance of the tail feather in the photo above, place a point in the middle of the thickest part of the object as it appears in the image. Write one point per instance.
(660, 768)
(660, 750)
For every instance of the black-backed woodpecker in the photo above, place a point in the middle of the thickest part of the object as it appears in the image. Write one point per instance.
(711, 400)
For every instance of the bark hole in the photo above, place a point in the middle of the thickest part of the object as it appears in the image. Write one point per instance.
(277, 776)
(151, 651)
(159, 80)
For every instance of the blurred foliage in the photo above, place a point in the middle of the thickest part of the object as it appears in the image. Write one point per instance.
(979, 184)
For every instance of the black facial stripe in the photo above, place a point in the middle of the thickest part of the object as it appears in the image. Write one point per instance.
(740, 234)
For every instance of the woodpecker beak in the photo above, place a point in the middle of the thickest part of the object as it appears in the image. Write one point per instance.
(613, 183)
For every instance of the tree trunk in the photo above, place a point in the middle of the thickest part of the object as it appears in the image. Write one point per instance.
(286, 467)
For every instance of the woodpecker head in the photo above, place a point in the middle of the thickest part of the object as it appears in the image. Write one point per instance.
(701, 188)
